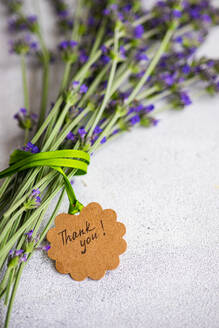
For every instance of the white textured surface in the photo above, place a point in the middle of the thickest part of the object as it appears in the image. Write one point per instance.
(164, 185)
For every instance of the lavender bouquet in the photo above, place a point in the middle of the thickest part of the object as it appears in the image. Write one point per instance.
(122, 65)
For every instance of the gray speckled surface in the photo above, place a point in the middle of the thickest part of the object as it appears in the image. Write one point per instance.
(165, 188)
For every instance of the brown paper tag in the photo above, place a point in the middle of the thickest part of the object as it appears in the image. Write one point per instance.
(88, 244)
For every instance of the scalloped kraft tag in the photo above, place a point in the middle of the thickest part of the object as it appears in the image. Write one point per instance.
(87, 244)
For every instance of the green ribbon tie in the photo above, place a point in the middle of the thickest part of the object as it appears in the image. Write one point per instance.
(77, 159)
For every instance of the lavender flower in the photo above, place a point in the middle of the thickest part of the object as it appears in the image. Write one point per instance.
(185, 99)
(71, 136)
(67, 52)
(97, 130)
(24, 46)
(30, 147)
(18, 252)
(177, 13)
(83, 57)
(33, 201)
(75, 84)
(29, 233)
(138, 31)
(82, 132)
(134, 120)
(186, 69)
(149, 108)
(23, 258)
(141, 57)
(103, 140)
(83, 88)
(46, 247)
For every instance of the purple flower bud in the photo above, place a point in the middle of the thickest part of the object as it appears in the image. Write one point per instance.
(134, 120)
(103, 140)
(161, 4)
(32, 19)
(31, 148)
(177, 13)
(29, 233)
(38, 200)
(11, 252)
(75, 84)
(82, 132)
(139, 108)
(114, 6)
(194, 13)
(179, 39)
(122, 52)
(185, 99)
(34, 45)
(120, 16)
(210, 63)
(23, 111)
(106, 12)
(46, 247)
(72, 43)
(149, 108)
(105, 59)
(23, 258)
(138, 31)
(35, 150)
(104, 49)
(34, 116)
(83, 88)
(168, 79)
(83, 57)
(63, 13)
(18, 252)
(206, 18)
(70, 136)
(141, 57)
(63, 45)
(131, 110)
(115, 131)
(127, 8)
(91, 21)
(155, 121)
(186, 69)
(97, 130)
(35, 192)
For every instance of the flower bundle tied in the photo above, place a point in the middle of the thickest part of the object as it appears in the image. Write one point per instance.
(69, 158)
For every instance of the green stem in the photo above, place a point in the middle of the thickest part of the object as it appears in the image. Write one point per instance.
(109, 85)
(30, 255)
(98, 38)
(9, 224)
(66, 75)
(45, 83)
(75, 32)
(9, 286)
(25, 90)
(4, 281)
(48, 120)
(16, 283)
(24, 82)
(4, 186)
(45, 86)
(143, 19)
(105, 132)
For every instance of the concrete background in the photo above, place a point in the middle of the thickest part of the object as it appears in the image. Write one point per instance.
(165, 189)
